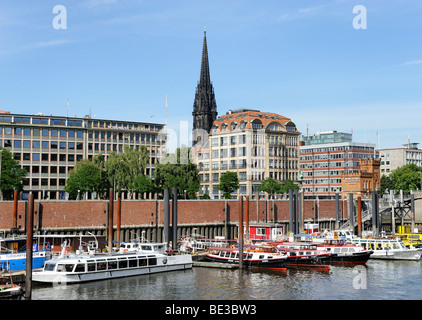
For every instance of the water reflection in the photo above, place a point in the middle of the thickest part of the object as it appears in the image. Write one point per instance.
(384, 280)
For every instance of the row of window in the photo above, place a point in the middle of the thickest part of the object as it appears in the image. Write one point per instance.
(125, 136)
(53, 182)
(36, 132)
(45, 157)
(35, 144)
(123, 125)
(42, 121)
(47, 169)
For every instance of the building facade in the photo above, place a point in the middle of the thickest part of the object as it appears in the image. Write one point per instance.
(392, 159)
(324, 157)
(48, 147)
(363, 182)
(255, 145)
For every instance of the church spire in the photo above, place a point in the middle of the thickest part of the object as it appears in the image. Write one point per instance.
(205, 68)
(204, 106)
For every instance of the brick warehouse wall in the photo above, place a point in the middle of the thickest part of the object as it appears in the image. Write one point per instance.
(86, 214)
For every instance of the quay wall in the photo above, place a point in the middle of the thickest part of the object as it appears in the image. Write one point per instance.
(50, 214)
(206, 217)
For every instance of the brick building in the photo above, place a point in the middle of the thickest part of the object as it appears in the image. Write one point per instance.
(363, 182)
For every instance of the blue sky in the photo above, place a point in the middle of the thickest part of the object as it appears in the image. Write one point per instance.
(119, 59)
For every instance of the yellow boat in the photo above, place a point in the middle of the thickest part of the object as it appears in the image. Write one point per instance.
(410, 239)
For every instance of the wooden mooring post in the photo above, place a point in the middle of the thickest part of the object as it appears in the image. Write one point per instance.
(29, 242)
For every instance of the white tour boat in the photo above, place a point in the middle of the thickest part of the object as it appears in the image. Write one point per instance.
(82, 268)
(390, 249)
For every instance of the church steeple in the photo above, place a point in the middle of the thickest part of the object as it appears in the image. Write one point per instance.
(204, 106)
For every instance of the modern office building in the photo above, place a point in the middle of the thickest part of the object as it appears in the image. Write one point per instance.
(48, 147)
(255, 145)
(394, 158)
(324, 157)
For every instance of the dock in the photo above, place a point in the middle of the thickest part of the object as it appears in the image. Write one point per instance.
(17, 276)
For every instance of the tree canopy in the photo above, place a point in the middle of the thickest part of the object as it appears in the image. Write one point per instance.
(12, 175)
(123, 168)
(84, 177)
(406, 178)
(177, 170)
(270, 186)
(229, 182)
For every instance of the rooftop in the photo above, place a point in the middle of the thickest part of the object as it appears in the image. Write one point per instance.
(251, 119)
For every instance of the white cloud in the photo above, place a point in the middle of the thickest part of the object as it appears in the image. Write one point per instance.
(411, 63)
(37, 45)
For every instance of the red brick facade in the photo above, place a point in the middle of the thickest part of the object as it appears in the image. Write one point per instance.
(86, 214)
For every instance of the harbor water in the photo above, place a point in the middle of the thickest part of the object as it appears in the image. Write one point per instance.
(377, 280)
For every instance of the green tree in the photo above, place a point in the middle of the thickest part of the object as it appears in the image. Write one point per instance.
(406, 178)
(229, 182)
(386, 184)
(12, 175)
(123, 168)
(270, 186)
(289, 184)
(177, 170)
(142, 184)
(104, 185)
(85, 176)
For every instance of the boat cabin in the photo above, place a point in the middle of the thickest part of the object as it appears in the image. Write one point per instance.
(265, 231)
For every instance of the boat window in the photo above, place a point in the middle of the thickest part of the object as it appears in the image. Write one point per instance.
(133, 263)
(308, 253)
(344, 250)
(147, 248)
(261, 256)
(112, 264)
(143, 262)
(91, 266)
(152, 261)
(49, 266)
(336, 250)
(395, 245)
(101, 265)
(80, 267)
(364, 246)
(67, 267)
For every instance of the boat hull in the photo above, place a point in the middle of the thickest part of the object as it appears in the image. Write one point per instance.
(354, 258)
(264, 263)
(172, 263)
(408, 254)
(309, 261)
(17, 261)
